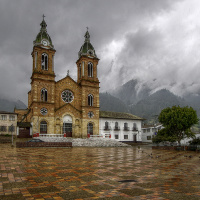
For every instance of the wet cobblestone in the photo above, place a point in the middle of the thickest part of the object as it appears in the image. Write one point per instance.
(109, 173)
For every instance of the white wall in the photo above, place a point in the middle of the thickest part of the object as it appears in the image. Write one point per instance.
(130, 134)
(151, 133)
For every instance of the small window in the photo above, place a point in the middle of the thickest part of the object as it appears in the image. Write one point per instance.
(80, 70)
(90, 69)
(44, 95)
(3, 128)
(154, 129)
(116, 137)
(3, 117)
(44, 61)
(12, 118)
(125, 137)
(144, 130)
(148, 137)
(148, 130)
(90, 100)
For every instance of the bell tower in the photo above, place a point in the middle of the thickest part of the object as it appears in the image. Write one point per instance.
(41, 98)
(87, 78)
(43, 54)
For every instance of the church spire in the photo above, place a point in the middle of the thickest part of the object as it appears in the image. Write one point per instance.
(43, 37)
(87, 36)
(43, 24)
(87, 49)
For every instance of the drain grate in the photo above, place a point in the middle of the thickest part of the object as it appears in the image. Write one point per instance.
(127, 181)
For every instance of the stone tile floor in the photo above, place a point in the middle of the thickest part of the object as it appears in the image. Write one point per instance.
(108, 173)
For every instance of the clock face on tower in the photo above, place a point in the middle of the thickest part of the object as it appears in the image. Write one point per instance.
(43, 111)
(90, 114)
(44, 42)
(67, 96)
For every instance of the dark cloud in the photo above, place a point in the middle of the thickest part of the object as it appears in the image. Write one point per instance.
(127, 35)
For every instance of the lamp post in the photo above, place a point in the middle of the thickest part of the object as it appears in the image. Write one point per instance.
(11, 129)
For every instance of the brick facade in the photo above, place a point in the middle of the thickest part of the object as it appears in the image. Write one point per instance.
(57, 109)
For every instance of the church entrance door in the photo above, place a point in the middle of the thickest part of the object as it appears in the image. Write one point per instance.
(90, 128)
(67, 125)
(67, 128)
(43, 127)
(134, 138)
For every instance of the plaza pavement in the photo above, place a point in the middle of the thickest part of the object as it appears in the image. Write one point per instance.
(110, 173)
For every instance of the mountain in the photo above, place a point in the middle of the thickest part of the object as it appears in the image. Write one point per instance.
(111, 103)
(194, 101)
(131, 92)
(153, 104)
(9, 105)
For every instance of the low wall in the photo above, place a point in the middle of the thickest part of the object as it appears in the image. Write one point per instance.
(181, 148)
(43, 144)
(5, 140)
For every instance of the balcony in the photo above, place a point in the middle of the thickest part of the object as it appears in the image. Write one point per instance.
(135, 129)
(126, 128)
(116, 128)
(107, 128)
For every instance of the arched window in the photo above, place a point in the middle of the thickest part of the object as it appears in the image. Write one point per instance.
(80, 70)
(44, 61)
(44, 94)
(106, 128)
(43, 127)
(90, 69)
(90, 100)
(90, 128)
(134, 127)
(126, 128)
(116, 126)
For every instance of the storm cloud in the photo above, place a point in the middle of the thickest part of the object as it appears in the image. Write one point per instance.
(156, 42)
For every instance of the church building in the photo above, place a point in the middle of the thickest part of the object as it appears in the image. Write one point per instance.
(65, 106)
(69, 106)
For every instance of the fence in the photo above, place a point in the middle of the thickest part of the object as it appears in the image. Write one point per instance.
(52, 135)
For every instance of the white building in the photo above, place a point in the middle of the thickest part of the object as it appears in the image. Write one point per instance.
(149, 131)
(8, 123)
(121, 126)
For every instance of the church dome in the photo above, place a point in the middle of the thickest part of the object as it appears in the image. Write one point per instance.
(87, 49)
(43, 37)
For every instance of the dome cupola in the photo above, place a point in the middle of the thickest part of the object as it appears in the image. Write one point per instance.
(43, 37)
(87, 49)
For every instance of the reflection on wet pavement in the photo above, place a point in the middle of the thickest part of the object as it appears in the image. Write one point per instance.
(98, 173)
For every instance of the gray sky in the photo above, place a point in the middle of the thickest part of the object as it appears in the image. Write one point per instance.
(154, 41)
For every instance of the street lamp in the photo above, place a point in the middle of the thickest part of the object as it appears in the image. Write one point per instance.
(11, 129)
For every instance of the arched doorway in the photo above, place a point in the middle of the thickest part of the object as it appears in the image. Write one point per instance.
(67, 125)
(90, 128)
(43, 127)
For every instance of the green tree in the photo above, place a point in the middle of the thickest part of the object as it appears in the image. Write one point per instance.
(177, 122)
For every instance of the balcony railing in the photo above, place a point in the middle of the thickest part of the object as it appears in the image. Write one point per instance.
(126, 128)
(107, 128)
(116, 128)
(135, 129)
